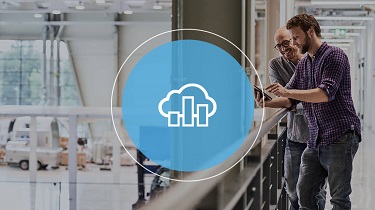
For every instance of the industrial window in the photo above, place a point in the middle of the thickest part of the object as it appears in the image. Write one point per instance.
(22, 76)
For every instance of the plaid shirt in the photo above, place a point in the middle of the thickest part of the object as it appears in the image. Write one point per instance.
(329, 70)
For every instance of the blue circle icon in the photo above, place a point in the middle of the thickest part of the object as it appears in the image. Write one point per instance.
(188, 105)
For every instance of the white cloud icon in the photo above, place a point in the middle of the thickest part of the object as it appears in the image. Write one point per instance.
(198, 111)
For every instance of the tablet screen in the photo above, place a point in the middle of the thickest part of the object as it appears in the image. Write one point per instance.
(262, 93)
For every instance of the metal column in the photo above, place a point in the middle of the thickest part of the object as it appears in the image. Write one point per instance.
(72, 162)
(368, 76)
(32, 155)
(222, 17)
(116, 147)
(272, 24)
(51, 74)
(43, 96)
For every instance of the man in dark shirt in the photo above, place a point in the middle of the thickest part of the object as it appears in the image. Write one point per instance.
(280, 71)
(322, 83)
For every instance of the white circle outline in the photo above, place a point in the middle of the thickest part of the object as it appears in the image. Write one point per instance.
(114, 84)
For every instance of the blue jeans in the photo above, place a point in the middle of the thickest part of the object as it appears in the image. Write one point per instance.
(334, 161)
(292, 162)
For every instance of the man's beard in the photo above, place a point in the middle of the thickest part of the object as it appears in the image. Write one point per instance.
(307, 44)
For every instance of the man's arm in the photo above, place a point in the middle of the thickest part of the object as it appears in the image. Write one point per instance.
(332, 75)
(279, 102)
(316, 95)
(275, 77)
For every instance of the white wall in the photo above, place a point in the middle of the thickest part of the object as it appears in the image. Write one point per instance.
(97, 60)
(372, 80)
(130, 38)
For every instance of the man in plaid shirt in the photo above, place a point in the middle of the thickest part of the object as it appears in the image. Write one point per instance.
(322, 83)
(281, 70)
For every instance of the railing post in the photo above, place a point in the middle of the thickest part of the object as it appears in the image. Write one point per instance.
(274, 174)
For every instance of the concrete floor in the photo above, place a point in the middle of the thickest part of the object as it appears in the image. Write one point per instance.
(363, 180)
(51, 192)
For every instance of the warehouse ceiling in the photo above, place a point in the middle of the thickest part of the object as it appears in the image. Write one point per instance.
(82, 6)
(89, 19)
(341, 21)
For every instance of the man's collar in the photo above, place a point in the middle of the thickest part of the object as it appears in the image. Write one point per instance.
(320, 49)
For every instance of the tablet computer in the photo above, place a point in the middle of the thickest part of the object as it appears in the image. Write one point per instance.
(262, 93)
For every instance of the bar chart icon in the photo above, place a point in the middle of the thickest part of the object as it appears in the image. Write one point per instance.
(191, 114)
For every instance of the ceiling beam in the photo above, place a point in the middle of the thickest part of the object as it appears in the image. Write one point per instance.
(344, 27)
(340, 45)
(103, 11)
(341, 2)
(342, 18)
(308, 4)
(88, 23)
(338, 40)
(346, 34)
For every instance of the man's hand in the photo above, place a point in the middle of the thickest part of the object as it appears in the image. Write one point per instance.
(278, 102)
(259, 100)
(278, 90)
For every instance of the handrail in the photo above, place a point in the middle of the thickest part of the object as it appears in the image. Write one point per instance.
(187, 195)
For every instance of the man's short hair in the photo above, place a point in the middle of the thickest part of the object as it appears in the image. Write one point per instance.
(305, 22)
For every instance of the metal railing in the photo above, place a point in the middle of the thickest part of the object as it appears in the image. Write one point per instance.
(255, 183)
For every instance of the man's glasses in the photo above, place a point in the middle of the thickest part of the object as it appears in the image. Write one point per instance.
(285, 43)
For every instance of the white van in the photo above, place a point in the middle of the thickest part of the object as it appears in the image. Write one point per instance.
(17, 148)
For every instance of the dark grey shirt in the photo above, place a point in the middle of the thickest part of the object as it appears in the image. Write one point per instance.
(280, 71)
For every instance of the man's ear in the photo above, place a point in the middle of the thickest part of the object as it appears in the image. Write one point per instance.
(311, 31)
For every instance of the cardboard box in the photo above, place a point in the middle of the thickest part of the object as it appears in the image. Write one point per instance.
(2, 153)
(63, 142)
(81, 158)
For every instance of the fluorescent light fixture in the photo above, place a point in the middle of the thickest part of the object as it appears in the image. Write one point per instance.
(128, 12)
(13, 3)
(165, 4)
(352, 34)
(38, 15)
(136, 4)
(338, 40)
(341, 2)
(346, 34)
(340, 45)
(56, 12)
(342, 18)
(80, 6)
(343, 27)
(100, 1)
(156, 6)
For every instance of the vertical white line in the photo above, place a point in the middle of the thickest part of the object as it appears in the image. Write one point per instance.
(33, 145)
(243, 33)
(72, 162)
(192, 110)
(116, 155)
(183, 111)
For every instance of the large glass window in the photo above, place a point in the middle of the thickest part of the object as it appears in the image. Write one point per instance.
(21, 75)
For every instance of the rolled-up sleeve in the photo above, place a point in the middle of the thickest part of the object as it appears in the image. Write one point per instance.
(293, 84)
(337, 64)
